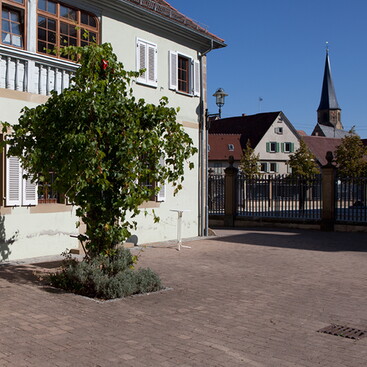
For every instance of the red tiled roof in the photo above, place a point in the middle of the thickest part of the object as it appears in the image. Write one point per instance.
(301, 133)
(319, 145)
(165, 9)
(252, 127)
(219, 146)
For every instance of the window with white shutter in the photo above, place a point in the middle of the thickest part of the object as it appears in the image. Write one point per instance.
(184, 74)
(30, 195)
(161, 196)
(13, 182)
(146, 58)
(19, 191)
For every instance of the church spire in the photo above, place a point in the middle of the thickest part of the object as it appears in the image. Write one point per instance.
(329, 112)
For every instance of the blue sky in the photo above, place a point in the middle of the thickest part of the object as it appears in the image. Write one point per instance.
(276, 51)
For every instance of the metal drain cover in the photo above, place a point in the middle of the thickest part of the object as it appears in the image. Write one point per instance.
(343, 331)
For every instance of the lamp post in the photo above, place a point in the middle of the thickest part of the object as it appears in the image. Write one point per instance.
(219, 95)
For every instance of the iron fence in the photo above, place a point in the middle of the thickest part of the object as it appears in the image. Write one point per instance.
(216, 194)
(350, 199)
(279, 196)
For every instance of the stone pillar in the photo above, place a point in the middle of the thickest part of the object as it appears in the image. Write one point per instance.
(328, 173)
(230, 193)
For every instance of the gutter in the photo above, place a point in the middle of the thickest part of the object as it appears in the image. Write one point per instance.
(203, 152)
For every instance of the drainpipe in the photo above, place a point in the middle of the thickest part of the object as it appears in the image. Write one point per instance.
(203, 152)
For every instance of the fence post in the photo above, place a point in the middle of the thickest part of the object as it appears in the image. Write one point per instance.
(328, 174)
(230, 193)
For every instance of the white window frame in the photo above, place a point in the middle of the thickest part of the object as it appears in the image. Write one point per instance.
(266, 166)
(147, 58)
(231, 147)
(276, 165)
(278, 130)
(194, 74)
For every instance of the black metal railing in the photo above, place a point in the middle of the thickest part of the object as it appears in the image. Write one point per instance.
(216, 194)
(351, 199)
(279, 196)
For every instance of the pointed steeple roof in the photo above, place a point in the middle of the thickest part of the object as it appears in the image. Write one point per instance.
(328, 97)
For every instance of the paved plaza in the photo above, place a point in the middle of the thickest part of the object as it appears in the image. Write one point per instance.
(248, 298)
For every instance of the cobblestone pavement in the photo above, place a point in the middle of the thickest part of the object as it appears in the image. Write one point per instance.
(245, 298)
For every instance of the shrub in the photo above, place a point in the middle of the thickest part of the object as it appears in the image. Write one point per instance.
(105, 277)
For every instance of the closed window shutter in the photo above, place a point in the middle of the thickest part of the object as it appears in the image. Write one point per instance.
(13, 181)
(173, 64)
(161, 196)
(141, 60)
(268, 147)
(277, 147)
(30, 195)
(196, 78)
(276, 167)
(152, 65)
(292, 147)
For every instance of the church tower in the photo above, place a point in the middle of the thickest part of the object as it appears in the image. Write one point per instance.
(329, 112)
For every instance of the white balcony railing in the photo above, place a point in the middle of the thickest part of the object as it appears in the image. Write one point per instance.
(28, 72)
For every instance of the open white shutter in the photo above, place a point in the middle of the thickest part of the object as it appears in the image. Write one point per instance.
(196, 78)
(152, 65)
(13, 181)
(141, 60)
(30, 194)
(161, 196)
(173, 65)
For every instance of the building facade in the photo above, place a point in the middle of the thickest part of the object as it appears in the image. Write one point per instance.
(148, 35)
(271, 135)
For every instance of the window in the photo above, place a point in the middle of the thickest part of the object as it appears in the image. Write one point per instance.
(278, 130)
(272, 147)
(263, 167)
(46, 192)
(146, 58)
(12, 23)
(184, 74)
(231, 147)
(288, 147)
(273, 167)
(19, 191)
(60, 25)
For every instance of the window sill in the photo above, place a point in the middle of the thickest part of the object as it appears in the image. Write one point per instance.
(50, 208)
(154, 86)
(150, 204)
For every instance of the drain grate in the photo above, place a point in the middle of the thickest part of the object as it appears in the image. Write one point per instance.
(343, 331)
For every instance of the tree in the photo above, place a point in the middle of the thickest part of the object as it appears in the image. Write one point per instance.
(249, 163)
(302, 162)
(103, 145)
(350, 157)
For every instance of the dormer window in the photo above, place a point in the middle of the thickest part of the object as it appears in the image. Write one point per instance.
(231, 147)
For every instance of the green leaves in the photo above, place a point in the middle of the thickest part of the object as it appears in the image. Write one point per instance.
(103, 144)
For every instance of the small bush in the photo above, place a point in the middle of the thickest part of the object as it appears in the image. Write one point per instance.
(106, 277)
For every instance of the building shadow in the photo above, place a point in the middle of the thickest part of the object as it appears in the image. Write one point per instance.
(307, 240)
(5, 243)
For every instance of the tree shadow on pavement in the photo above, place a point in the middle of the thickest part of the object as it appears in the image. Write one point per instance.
(295, 239)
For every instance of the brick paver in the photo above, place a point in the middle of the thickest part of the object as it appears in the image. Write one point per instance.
(245, 298)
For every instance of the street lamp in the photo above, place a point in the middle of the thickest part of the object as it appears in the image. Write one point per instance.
(220, 95)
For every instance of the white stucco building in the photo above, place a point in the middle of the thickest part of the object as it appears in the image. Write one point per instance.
(271, 135)
(144, 34)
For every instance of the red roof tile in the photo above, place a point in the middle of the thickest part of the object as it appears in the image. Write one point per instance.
(319, 145)
(165, 9)
(219, 146)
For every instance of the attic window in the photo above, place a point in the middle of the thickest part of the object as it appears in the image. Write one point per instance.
(231, 147)
(278, 130)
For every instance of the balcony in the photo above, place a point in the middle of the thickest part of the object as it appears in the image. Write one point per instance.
(29, 72)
